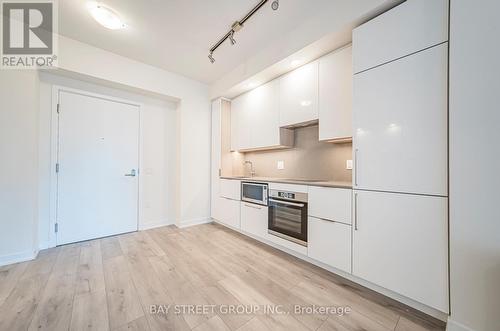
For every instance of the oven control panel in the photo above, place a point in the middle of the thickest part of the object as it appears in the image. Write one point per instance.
(286, 195)
(290, 196)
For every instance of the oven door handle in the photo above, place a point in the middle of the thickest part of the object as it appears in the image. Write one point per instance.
(301, 205)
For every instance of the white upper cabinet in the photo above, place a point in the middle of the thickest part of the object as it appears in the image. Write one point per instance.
(400, 122)
(410, 27)
(255, 120)
(240, 133)
(400, 242)
(335, 95)
(298, 95)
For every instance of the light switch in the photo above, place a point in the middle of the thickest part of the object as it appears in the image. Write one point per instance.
(348, 164)
(280, 165)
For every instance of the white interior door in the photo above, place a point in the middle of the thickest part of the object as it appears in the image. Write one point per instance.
(98, 160)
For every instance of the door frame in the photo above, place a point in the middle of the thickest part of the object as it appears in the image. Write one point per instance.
(54, 152)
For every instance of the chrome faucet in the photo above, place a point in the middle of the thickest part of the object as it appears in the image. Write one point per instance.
(252, 172)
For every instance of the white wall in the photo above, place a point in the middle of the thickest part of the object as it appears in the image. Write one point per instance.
(18, 164)
(157, 154)
(474, 165)
(193, 121)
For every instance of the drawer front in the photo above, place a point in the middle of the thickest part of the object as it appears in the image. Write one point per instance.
(230, 188)
(254, 219)
(330, 243)
(230, 212)
(408, 28)
(330, 203)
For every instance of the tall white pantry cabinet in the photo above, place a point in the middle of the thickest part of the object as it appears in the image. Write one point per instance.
(400, 123)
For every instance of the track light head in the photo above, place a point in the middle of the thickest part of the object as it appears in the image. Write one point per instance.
(231, 38)
(211, 58)
(275, 4)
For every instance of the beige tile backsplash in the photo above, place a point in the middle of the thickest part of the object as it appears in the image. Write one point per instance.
(309, 159)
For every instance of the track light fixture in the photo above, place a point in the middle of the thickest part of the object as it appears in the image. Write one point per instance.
(231, 37)
(275, 4)
(211, 58)
(236, 26)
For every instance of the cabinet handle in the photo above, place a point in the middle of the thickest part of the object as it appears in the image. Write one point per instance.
(254, 207)
(356, 167)
(356, 211)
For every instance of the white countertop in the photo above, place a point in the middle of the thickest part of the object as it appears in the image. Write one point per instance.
(326, 183)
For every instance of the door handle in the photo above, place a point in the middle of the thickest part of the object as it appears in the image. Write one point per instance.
(300, 205)
(355, 211)
(254, 207)
(131, 174)
(356, 167)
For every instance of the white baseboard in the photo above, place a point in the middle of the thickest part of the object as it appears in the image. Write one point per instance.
(18, 257)
(455, 326)
(197, 221)
(154, 224)
(44, 245)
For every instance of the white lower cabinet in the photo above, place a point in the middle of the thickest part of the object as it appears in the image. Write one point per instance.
(230, 188)
(254, 219)
(400, 242)
(230, 212)
(330, 203)
(330, 243)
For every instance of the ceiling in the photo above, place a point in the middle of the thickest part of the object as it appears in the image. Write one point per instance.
(176, 34)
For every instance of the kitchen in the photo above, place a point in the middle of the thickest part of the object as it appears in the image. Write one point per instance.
(323, 165)
(358, 150)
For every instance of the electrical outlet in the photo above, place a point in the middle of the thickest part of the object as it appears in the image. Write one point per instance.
(280, 165)
(348, 164)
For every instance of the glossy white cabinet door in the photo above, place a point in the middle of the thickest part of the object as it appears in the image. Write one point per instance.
(400, 242)
(230, 212)
(410, 27)
(330, 243)
(400, 121)
(263, 115)
(230, 188)
(335, 95)
(241, 134)
(254, 219)
(330, 203)
(216, 159)
(256, 119)
(299, 95)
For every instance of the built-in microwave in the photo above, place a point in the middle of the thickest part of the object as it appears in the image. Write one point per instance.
(254, 192)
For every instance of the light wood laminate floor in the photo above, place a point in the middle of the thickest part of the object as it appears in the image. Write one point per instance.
(112, 283)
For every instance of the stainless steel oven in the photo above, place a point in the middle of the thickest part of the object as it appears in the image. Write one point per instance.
(254, 192)
(288, 216)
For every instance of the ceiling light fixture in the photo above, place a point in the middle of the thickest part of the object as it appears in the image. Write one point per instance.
(105, 16)
(236, 26)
